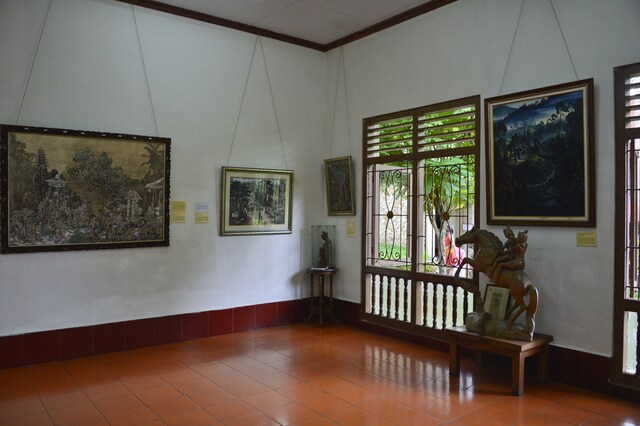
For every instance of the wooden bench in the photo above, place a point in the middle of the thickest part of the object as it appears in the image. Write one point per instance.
(517, 350)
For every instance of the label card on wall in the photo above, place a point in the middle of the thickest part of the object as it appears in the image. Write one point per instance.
(202, 212)
(351, 228)
(178, 212)
(586, 239)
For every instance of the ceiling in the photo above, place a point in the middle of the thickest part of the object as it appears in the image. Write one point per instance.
(318, 24)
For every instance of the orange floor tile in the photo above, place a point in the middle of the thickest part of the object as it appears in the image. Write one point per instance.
(293, 375)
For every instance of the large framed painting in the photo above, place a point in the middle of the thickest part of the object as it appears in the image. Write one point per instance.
(339, 187)
(256, 201)
(540, 157)
(82, 190)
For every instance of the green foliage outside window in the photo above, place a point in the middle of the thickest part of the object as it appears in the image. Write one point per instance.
(449, 181)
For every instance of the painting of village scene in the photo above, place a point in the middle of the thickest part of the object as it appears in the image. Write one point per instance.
(73, 190)
(256, 201)
(540, 159)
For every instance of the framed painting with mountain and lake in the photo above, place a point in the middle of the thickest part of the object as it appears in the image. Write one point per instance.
(540, 156)
(78, 190)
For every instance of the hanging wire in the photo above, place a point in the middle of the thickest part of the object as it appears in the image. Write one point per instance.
(26, 87)
(341, 67)
(335, 102)
(513, 41)
(244, 92)
(564, 40)
(144, 67)
(346, 98)
(273, 102)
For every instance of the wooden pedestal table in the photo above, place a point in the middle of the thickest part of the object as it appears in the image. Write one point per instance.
(319, 308)
(517, 350)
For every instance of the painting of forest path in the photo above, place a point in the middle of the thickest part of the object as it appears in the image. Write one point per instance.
(76, 190)
(540, 156)
(256, 201)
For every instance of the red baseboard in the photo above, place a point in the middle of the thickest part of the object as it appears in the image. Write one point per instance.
(58, 345)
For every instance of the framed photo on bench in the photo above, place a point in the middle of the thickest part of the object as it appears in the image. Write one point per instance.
(496, 301)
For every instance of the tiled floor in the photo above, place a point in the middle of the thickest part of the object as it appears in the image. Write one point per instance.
(300, 374)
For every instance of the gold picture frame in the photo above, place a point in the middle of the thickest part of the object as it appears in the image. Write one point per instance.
(340, 191)
(256, 201)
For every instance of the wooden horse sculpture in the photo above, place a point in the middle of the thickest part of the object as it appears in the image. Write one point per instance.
(488, 248)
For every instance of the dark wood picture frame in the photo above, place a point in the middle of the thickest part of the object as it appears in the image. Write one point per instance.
(256, 201)
(339, 186)
(82, 190)
(540, 155)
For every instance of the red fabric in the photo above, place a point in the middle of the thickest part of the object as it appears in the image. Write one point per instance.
(455, 256)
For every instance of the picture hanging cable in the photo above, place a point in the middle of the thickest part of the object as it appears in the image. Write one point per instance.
(341, 67)
(24, 94)
(566, 46)
(346, 98)
(515, 33)
(144, 67)
(273, 102)
(335, 102)
(244, 92)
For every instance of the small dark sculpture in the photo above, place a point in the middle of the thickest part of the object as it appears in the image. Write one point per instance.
(326, 251)
(504, 264)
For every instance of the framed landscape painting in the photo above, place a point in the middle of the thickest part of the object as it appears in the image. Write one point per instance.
(339, 187)
(540, 157)
(256, 201)
(79, 190)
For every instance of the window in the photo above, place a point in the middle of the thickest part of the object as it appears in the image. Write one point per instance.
(420, 192)
(626, 359)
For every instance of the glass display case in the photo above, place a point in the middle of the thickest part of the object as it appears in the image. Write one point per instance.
(323, 246)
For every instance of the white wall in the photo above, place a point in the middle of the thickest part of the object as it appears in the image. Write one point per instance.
(461, 50)
(88, 74)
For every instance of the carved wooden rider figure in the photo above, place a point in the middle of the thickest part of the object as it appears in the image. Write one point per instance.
(514, 250)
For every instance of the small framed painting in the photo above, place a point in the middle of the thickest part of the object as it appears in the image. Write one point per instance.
(496, 300)
(339, 187)
(256, 201)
